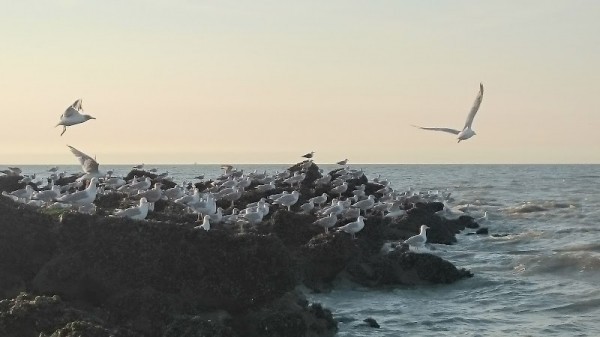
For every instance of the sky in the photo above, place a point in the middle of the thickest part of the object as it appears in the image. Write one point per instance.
(182, 81)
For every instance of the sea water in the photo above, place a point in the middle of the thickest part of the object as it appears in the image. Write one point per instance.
(536, 274)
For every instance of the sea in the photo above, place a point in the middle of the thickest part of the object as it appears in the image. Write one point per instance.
(537, 273)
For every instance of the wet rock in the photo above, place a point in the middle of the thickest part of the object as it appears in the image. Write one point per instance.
(33, 316)
(289, 315)
(371, 322)
(405, 268)
(193, 326)
(482, 231)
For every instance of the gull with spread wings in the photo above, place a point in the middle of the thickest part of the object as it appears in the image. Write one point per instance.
(466, 132)
(88, 164)
(73, 115)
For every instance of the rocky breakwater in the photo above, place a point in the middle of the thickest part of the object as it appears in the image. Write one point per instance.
(71, 274)
(101, 276)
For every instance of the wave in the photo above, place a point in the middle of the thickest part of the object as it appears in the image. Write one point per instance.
(532, 207)
(562, 263)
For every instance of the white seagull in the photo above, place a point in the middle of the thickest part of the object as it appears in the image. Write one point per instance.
(205, 223)
(418, 240)
(136, 212)
(83, 197)
(354, 227)
(88, 164)
(466, 132)
(327, 222)
(73, 115)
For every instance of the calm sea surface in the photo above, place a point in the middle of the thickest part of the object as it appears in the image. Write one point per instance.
(539, 277)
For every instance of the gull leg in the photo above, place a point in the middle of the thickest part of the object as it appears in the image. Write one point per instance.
(64, 129)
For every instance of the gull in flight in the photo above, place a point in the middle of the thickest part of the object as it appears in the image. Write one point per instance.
(88, 164)
(73, 115)
(466, 132)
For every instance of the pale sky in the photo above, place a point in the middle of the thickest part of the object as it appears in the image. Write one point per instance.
(267, 81)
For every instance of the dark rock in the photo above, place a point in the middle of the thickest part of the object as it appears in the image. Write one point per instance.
(193, 326)
(293, 229)
(482, 231)
(289, 315)
(371, 322)
(10, 183)
(110, 256)
(27, 242)
(34, 316)
(324, 257)
(406, 268)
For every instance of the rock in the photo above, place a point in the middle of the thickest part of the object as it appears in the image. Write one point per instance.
(324, 257)
(193, 326)
(105, 256)
(482, 231)
(288, 316)
(27, 242)
(405, 268)
(33, 316)
(371, 322)
(10, 183)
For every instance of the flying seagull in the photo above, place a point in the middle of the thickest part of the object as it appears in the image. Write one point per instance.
(466, 132)
(88, 164)
(73, 115)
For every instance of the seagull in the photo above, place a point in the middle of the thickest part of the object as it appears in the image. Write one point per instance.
(205, 223)
(138, 167)
(466, 132)
(88, 164)
(136, 212)
(309, 155)
(353, 227)
(342, 162)
(86, 196)
(418, 240)
(288, 199)
(73, 116)
(327, 222)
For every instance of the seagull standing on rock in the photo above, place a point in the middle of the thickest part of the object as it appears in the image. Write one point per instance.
(73, 115)
(136, 213)
(205, 223)
(466, 132)
(288, 199)
(353, 227)
(418, 240)
(309, 155)
(327, 222)
(84, 197)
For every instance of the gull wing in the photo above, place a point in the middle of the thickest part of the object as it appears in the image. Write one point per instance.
(77, 105)
(73, 109)
(73, 197)
(129, 212)
(88, 164)
(453, 131)
(475, 107)
(415, 240)
(69, 112)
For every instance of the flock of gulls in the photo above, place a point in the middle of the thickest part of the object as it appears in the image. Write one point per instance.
(331, 209)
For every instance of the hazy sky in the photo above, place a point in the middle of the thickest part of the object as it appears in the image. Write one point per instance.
(267, 81)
